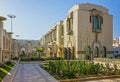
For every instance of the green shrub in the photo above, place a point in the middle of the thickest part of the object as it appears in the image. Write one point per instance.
(73, 69)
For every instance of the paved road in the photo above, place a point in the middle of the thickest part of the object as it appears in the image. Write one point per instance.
(32, 73)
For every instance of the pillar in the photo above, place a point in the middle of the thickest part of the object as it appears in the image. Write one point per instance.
(1, 38)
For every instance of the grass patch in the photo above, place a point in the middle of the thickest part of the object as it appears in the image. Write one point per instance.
(4, 69)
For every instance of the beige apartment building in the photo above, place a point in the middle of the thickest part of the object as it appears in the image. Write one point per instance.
(86, 33)
(5, 42)
(53, 41)
(15, 48)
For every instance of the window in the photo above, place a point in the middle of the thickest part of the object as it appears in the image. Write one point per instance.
(62, 30)
(104, 51)
(95, 23)
(68, 53)
(96, 20)
(101, 20)
(65, 53)
(116, 51)
(55, 35)
(88, 52)
(62, 34)
(68, 25)
(90, 19)
(96, 51)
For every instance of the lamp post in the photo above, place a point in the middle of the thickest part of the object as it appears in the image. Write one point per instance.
(11, 16)
(17, 36)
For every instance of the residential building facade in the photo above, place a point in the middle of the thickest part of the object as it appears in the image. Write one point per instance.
(53, 41)
(116, 47)
(86, 33)
(5, 42)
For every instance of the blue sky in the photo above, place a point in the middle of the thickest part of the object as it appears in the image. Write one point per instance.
(34, 17)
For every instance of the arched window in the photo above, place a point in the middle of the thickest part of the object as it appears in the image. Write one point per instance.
(62, 30)
(59, 52)
(88, 52)
(96, 19)
(68, 25)
(50, 51)
(65, 53)
(96, 52)
(103, 51)
(68, 53)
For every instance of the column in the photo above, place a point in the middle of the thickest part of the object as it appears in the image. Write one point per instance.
(10, 45)
(1, 37)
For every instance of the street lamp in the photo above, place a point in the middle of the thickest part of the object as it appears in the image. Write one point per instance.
(17, 36)
(11, 16)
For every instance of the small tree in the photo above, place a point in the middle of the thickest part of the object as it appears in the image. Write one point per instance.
(39, 50)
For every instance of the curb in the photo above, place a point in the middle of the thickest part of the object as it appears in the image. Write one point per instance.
(91, 78)
(10, 78)
(29, 62)
(17, 66)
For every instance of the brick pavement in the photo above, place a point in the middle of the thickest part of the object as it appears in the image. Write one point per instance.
(32, 73)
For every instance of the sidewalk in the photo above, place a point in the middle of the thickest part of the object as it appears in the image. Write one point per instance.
(10, 76)
(32, 73)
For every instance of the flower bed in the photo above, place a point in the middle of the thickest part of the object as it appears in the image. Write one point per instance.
(4, 69)
(61, 69)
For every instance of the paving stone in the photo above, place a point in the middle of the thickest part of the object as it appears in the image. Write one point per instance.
(32, 73)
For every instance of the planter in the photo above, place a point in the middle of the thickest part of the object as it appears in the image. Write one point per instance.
(91, 78)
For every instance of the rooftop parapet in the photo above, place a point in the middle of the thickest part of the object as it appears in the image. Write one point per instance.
(87, 7)
(2, 18)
